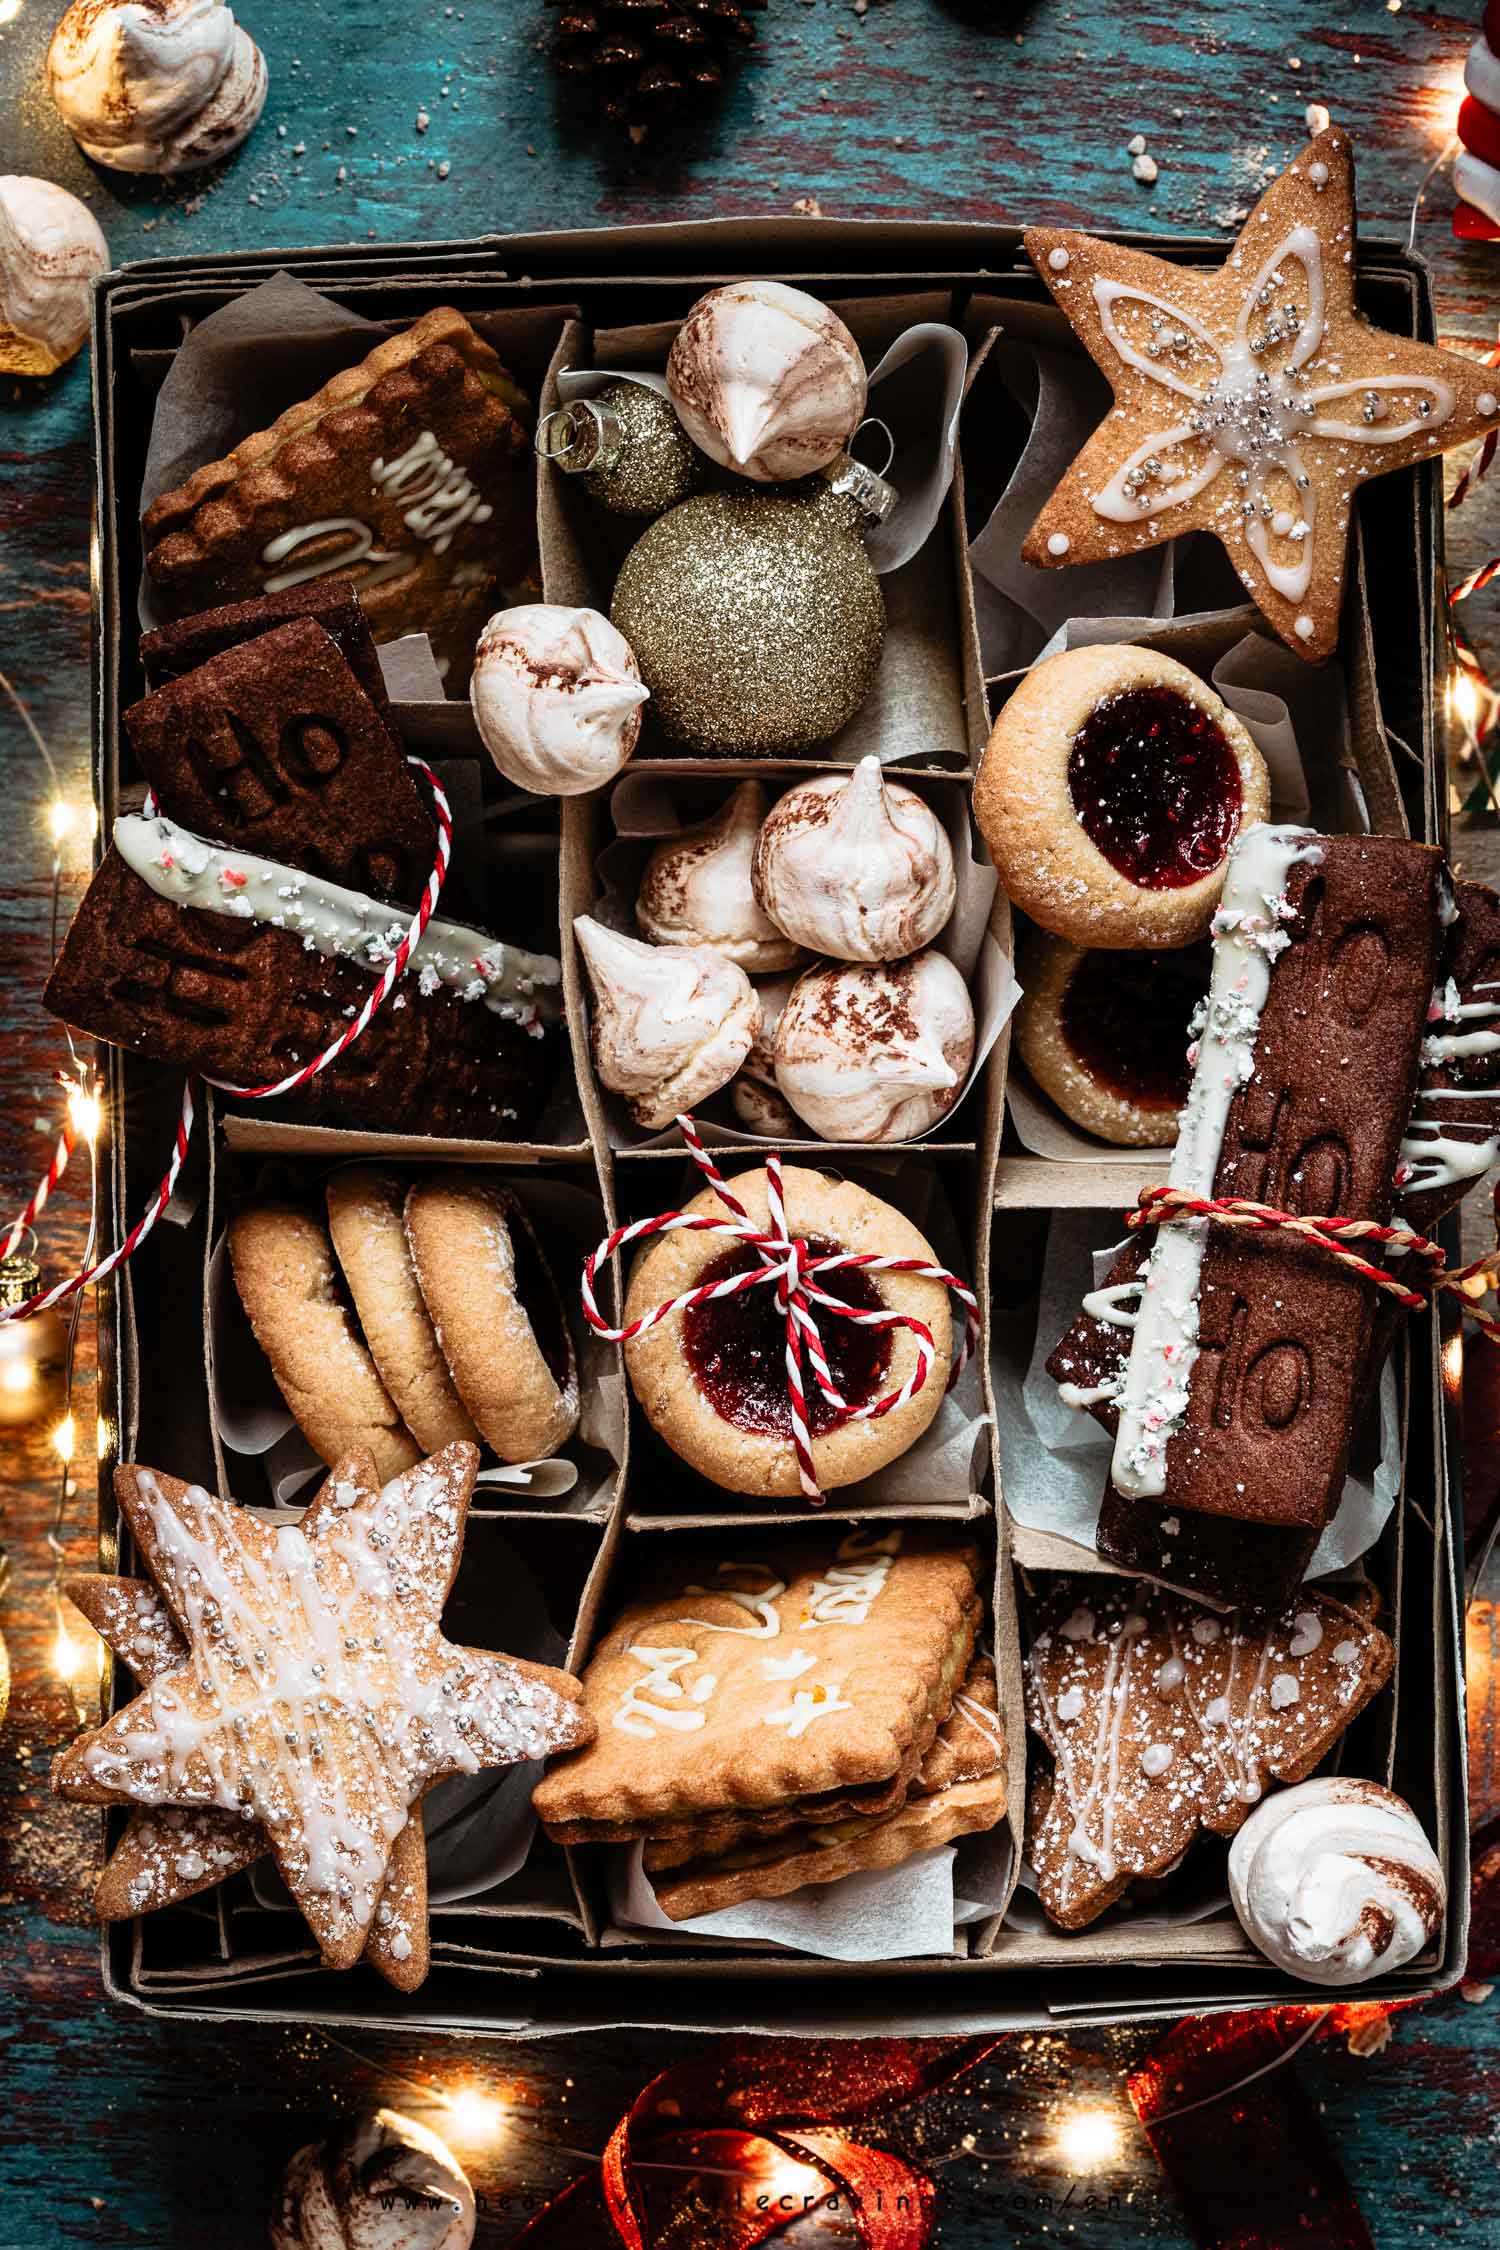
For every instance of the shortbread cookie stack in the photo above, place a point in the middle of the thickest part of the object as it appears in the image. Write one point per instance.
(769, 1723)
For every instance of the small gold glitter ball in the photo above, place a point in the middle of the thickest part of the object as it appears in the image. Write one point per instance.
(658, 465)
(755, 618)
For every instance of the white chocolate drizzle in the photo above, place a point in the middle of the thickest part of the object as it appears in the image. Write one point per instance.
(1430, 1157)
(209, 878)
(1249, 935)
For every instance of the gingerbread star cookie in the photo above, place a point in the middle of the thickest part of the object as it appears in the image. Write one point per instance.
(318, 1695)
(172, 1853)
(1251, 402)
(1163, 1718)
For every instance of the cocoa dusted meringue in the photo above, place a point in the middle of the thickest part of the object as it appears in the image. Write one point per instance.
(671, 1023)
(50, 250)
(855, 866)
(760, 1108)
(556, 697)
(696, 889)
(1335, 1881)
(155, 85)
(878, 1051)
(766, 380)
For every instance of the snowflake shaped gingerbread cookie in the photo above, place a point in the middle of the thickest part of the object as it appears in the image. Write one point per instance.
(316, 1696)
(1251, 402)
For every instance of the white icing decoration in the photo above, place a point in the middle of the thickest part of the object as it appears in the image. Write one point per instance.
(641, 1719)
(359, 549)
(806, 1705)
(788, 1667)
(1305, 628)
(1206, 1631)
(1251, 414)
(1307, 1633)
(1284, 1691)
(1058, 259)
(1248, 936)
(1487, 403)
(1070, 1704)
(1078, 1625)
(436, 498)
(1169, 1675)
(1156, 1758)
(344, 924)
(761, 1606)
(847, 1594)
(1058, 543)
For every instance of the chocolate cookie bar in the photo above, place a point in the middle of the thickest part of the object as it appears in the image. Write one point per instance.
(275, 747)
(171, 650)
(410, 475)
(245, 1001)
(1229, 1364)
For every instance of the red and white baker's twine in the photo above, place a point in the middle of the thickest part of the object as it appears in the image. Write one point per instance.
(1156, 1205)
(393, 969)
(67, 1141)
(787, 1265)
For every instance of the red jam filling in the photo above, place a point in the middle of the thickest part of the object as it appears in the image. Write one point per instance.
(736, 1347)
(1125, 1016)
(1155, 786)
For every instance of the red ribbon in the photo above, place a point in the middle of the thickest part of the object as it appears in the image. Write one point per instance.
(722, 2151)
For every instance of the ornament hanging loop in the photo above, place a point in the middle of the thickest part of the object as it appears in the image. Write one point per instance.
(579, 437)
(866, 487)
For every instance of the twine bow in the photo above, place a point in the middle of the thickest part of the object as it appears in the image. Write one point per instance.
(789, 1267)
(394, 968)
(1156, 1206)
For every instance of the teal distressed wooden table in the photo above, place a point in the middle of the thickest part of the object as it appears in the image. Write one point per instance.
(122, 2132)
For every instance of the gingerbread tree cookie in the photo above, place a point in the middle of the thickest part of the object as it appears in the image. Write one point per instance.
(1251, 402)
(1163, 1718)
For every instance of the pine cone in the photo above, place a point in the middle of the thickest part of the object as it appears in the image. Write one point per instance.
(642, 56)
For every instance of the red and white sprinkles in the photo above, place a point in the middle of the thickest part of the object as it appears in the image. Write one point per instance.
(394, 969)
(789, 1267)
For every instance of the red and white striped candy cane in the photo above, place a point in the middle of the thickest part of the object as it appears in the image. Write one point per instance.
(30, 1306)
(788, 1266)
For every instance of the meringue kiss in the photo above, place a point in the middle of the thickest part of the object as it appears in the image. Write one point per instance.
(1335, 1881)
(766, 380)
(671, 1024)
(50, 250)
(855, 866)
(875, 1052)
(696, 889)
(556, 697)
(155, 85)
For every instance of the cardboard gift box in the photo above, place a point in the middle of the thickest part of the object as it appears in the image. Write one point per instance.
(529, 1941)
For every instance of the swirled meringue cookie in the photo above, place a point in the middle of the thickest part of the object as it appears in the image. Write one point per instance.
(766, 380)
(556, 697)
(696, 889)
(877, 1051)
(855, 866)
(1335, 1881)
(155, 85)
(381, 2182)
(671, 1024)
(761, 1109)
(50, 250)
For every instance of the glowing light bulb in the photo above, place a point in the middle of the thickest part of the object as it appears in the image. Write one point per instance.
(87, 1112)
(473, 2115)
(1088, 2138)
(67, 1656)
(65, 1438)
(1466, 701)
(60, 819)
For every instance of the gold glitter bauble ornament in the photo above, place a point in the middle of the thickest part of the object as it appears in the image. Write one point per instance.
(657, 465)
(755, 618)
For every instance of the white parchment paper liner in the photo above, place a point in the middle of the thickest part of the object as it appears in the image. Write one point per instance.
(252, 1417)
(1281, 701)
(647, 805)
(1020, 608)
(1054, 1460)
(908, 1912)
(479, 1827)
